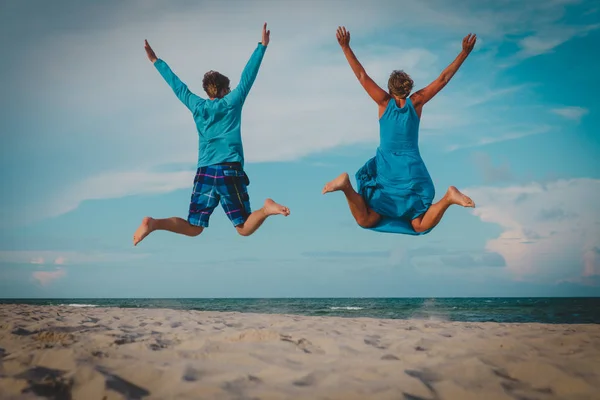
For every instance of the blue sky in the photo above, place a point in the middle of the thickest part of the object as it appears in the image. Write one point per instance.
(93, 140)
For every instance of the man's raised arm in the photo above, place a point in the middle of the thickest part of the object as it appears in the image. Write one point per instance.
(251, 69)
(180, 89)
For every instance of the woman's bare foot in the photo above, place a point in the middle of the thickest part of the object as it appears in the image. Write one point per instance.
(272, 208)
(338, 183)
(143, 230)
(454, 196)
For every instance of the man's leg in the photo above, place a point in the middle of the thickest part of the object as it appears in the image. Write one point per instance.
(236, 203)
(173, 224)
(435, 213)
(203, 201)
(364, 216)
(256, 219)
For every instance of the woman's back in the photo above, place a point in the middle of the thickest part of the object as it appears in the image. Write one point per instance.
(398, 161)
(399, 128)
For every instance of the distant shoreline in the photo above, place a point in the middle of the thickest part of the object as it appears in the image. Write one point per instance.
(565, 310)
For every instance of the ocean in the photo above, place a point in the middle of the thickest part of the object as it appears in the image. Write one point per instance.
(579, 310)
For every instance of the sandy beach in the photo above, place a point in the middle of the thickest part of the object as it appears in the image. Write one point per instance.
(111, 353)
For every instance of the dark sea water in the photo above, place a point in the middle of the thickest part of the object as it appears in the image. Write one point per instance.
(578, 310)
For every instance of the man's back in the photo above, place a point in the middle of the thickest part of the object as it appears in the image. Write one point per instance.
(218, 121)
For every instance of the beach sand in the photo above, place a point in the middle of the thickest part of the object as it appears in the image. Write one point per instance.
(112, 353)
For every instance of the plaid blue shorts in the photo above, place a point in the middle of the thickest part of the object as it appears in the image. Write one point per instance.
(221, 183)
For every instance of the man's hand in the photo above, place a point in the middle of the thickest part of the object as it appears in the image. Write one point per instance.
(343, 37)
(468, 43)
(266, 35)
(149, 52)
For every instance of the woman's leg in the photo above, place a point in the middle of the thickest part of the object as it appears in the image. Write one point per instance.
(435, 213)
(364, 216)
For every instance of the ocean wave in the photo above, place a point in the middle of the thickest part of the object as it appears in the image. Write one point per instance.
(345, 308)
(432, 317)
(78, 305)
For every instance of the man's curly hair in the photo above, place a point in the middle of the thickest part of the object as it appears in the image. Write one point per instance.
(400, 84)
(214, 82)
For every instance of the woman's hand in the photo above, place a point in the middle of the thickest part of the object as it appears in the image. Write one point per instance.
(343, 37)
(468, 43)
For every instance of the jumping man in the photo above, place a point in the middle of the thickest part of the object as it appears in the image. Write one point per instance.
(220, 177)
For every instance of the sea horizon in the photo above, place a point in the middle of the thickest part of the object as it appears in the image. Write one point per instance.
(565, 310)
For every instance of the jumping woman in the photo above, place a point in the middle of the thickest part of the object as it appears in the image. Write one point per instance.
(395, 190)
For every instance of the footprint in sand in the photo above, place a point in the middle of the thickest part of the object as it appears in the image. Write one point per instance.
(99, 354)
(47, 382)
(192, 375)
(428, 378)
(308, 380)
(516, 388)
(303, 344)
(238, 386)
(122, 386)
(22, 332)
(375, 341)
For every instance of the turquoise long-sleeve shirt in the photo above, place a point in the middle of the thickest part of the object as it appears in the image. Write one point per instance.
(218, 121)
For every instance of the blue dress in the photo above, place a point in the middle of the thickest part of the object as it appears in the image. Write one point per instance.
(395, 183)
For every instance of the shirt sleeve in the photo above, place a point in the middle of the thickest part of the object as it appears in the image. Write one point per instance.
(180, 89)
(249, 74)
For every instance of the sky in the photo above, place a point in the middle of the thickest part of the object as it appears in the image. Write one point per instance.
(93, 140)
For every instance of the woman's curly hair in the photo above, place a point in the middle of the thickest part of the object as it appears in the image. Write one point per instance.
(400, 84)
(214, 82)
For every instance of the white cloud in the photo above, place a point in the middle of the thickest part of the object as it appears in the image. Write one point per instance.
(485, 95)
(60, 260)
(37, 260)
(548, 39)
(45, 278)
(545, 227)
(591, 260)
(533, 45)
(486, 140)
(490, 172)
(119, 184)
(61, 257)
(572, 113)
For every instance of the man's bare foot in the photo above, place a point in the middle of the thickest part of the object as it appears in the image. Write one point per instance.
(143, 230)
(454, 196)
(272, 208)
(338, 183)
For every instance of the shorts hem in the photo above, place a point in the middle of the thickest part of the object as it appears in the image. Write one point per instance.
(238, 221)
(200, 223)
